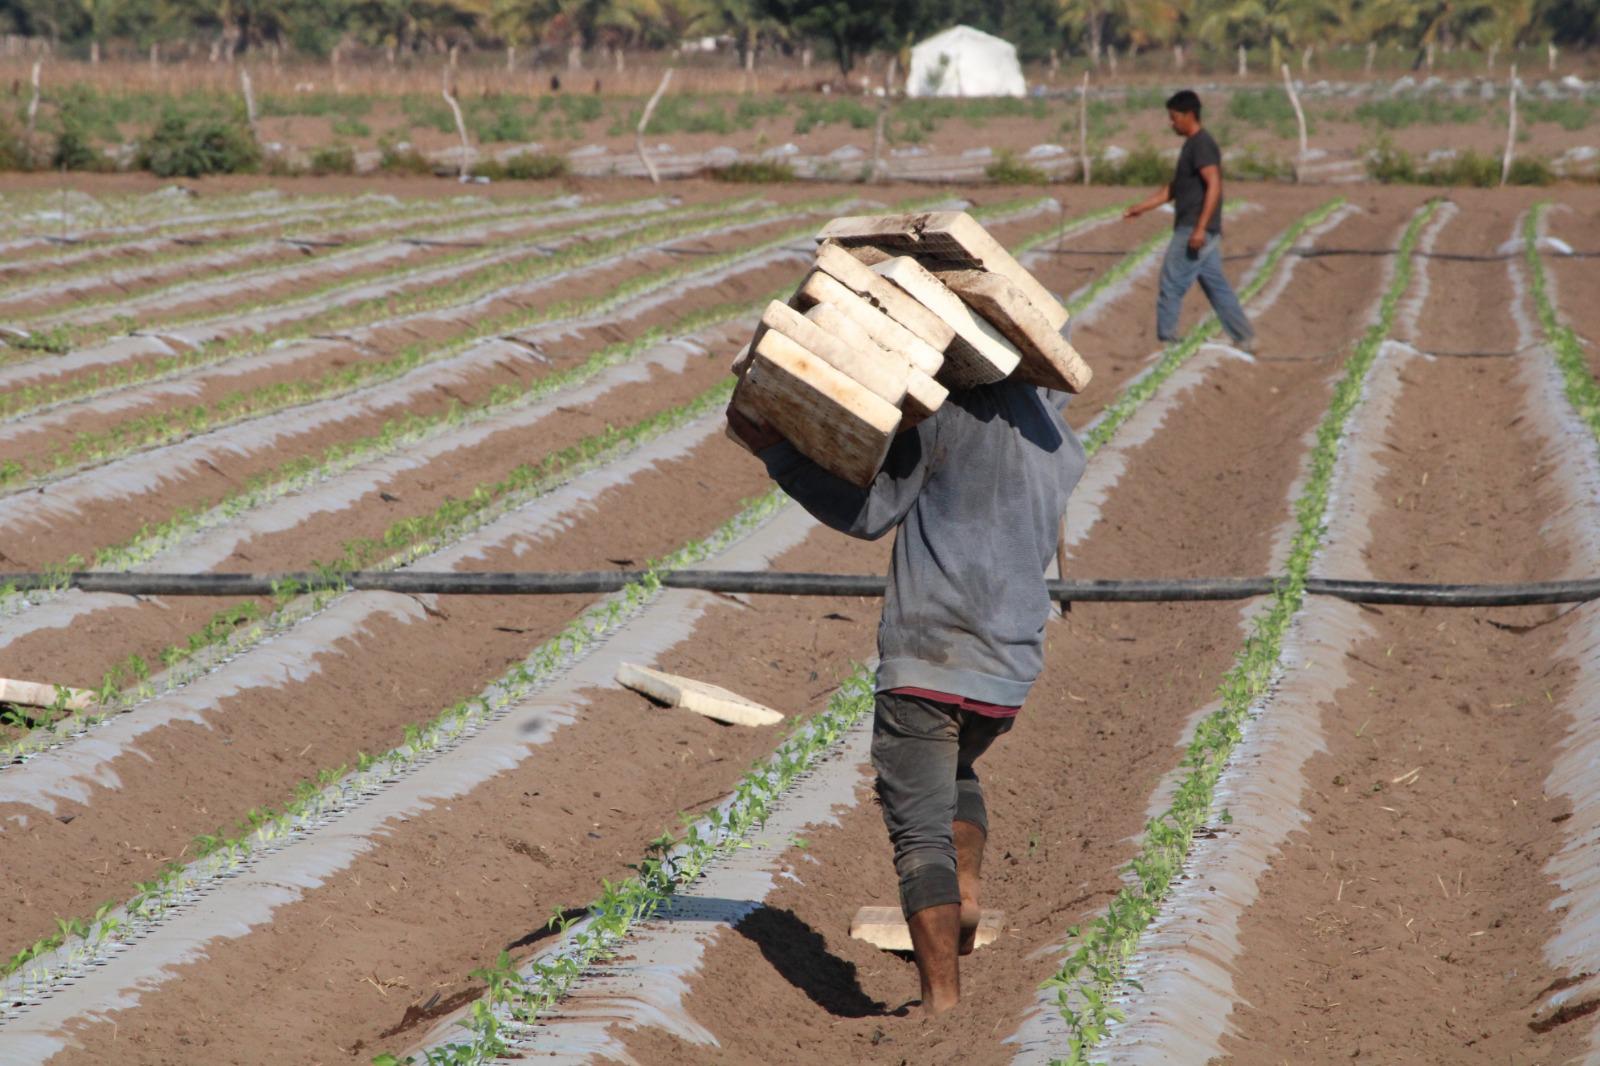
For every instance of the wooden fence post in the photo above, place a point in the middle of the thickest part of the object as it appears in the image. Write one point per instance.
(644, 120)
(1299, 117)
(461, 124)
(1083, 129)
(1511, 130)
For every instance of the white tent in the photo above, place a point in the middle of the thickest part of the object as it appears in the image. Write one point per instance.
(963, 61)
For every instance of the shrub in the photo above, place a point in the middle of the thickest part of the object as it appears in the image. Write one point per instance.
(1569, 114)
(759, 170)
(498, 119)
(401, 159)
(75, 140)
(523, 166)
(1007, 169)
(1142, 166)
(428, 111)
(1253, 166)
(1391, 165)
(1265, 107)
(814, 113)
(1530, 170)
(752, 109)
(14, 154)
(333, 159)
(1398, 112)
(192, 144)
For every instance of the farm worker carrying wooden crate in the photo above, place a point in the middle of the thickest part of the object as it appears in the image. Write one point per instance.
(1195, 253)
(975, 491)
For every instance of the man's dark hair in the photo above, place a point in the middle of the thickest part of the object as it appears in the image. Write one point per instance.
(1185, 101)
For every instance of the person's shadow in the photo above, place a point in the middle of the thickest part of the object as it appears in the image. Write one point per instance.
(800, 955)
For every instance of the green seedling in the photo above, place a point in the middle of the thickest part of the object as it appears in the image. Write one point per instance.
(1095, 967)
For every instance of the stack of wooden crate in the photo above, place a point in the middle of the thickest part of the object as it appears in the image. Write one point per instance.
(897, 311)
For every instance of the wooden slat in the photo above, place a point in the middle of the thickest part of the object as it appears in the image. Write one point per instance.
(39, 694)
(952, 239)
(842, 345)
(885, 928)
(980, 353)
(840, 425)
(1047, 358)
(701, 697)
(853, 274)
(924, 396)
(820, 287)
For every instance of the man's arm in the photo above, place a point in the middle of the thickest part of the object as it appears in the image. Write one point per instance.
(1212, 176)
(1151, 202)
(866, 513)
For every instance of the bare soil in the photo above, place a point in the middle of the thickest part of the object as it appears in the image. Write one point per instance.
(1408, 920)
(1068, 787)
(360, 964)
(384, 946)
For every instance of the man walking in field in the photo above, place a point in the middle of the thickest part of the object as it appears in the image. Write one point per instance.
(1195, 253)
(976, 493)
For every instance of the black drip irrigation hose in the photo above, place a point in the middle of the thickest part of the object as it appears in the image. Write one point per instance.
(1459, 257)
(548, 583)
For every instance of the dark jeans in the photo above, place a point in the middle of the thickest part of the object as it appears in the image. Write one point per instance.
(923, 751)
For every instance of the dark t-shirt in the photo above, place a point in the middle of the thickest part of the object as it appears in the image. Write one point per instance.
(1188, 188)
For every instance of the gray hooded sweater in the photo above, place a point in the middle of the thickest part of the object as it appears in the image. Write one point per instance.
(977, 492)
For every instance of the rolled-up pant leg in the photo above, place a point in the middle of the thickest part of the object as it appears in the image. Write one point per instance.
(923, 752)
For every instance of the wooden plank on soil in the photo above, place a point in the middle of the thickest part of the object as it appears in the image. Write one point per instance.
(1047, 358)
(950, 238)
(840, 425)
(701, 697)
(856, 276)
(37, 694)
(822, 288)
(980, 353)
(885, 928)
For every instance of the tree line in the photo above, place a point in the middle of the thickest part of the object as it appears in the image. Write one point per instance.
(843, 30)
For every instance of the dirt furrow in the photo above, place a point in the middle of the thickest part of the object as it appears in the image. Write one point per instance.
(245, 735)
(125, 374)
(486, 867)
(108, 504)
(1069, 787)
(164, 266)
(1407, 920)
(227, 458)
(1577, 223)
(294, 534)
(181, 288)
(50, 259)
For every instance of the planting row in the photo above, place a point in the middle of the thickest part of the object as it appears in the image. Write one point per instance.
(607, 520)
